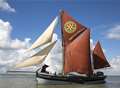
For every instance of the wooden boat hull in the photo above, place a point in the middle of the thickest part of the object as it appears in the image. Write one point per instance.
(59, 79)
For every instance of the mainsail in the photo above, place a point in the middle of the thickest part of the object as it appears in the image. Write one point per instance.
(38, 58)
(99, 59)
(46, 36)
(76, 44)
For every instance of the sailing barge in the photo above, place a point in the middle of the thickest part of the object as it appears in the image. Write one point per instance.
(79, 61)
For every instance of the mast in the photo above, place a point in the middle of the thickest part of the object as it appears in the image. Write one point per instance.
(99, 59)
(61, 14)
(73, 34)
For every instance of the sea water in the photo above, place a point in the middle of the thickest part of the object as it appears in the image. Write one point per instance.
(29, 81)
(17, 81)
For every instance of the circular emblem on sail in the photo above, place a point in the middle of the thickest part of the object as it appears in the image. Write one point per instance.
(70, 26)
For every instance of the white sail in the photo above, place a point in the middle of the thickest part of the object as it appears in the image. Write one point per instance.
(31, 61)
(38, 58)
(46, 36)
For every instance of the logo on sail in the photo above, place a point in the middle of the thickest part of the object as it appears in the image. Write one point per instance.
(70, 26)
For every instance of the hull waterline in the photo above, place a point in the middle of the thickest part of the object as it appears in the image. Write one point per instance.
(59, 79)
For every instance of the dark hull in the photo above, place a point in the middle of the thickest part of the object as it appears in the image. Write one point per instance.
(73, 78)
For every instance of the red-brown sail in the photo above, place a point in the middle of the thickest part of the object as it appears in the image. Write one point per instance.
(99, 59)
(70, 28)
(77, 55)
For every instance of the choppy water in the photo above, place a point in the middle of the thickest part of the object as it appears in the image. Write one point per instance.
(29, 81)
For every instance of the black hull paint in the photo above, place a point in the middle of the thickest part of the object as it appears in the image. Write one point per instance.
(73, 78)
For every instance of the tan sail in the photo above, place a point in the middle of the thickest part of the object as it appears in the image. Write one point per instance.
(77, 55)
(70, 28)
(46, 36)
(99, 59)
(76, 44)
(37, 58)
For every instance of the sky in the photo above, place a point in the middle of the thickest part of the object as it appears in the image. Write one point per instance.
(22, 21)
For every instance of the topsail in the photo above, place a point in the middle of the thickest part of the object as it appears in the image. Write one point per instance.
(70, 28)
(46, 37)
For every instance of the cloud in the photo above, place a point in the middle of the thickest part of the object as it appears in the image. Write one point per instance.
(4, 6)
(92, 44)
(5, 29)
(114, 33)
(20, 44)
(11, 50)
(115, 66)
(5, 37)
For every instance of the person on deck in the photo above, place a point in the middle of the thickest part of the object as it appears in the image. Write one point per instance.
(44, 68)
